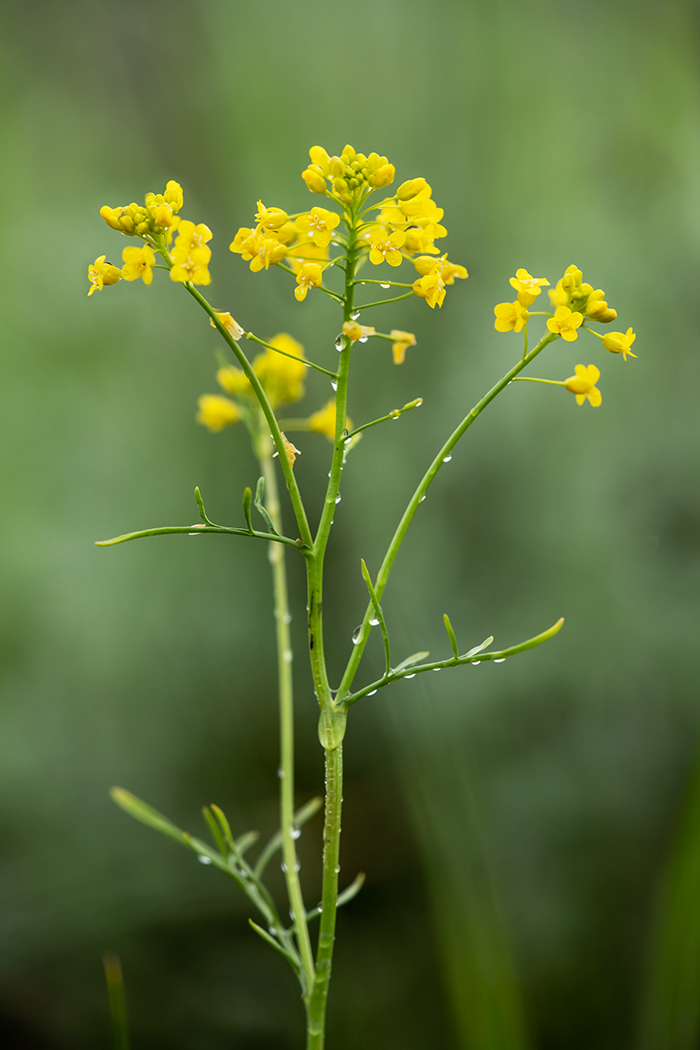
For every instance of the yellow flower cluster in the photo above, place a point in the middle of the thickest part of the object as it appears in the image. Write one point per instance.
(281, 378)
(405, 224)
(190, 253)
(581, 298)
(323, 421)
(157, 213)
(349, 176)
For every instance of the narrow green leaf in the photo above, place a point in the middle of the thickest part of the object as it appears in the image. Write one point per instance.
(117, 1001)
(478, 648)
(247, 499)
(451, 635)
(378, 614)
(411, 660)
(352, 890)
(202, 511)
(216, 833)
(260, 507)
(269, 939)
(300, 818)
(147, 815)
(246, 840)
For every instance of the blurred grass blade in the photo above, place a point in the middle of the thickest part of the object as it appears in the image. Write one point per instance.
(147, 815)
(670, 1017)
(117, 1000)
(475, 951)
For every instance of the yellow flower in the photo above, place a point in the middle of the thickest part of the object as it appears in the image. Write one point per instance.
(597, 309)
(270, 218)
(431, 287)
(260, 249)
(617, 343)
(310, 276)
(323, 421)
(527, 286)
(355, 331)
(510, 317)
(565, 322)
(232, 327)
(385, 246)
(583, 384)
(402, 341)
(420, 239)
(282, 377)
(138, 262)
(319, 225)
(217, 412)
(320, 158)
(191, 254)
(101, 273)
(233, 380)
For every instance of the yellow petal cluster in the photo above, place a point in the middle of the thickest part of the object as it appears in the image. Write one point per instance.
(138, 262)
(282, 377)
(565, 323)
(318, 224)
(310, 275)
(101, 273)
(156, 215)
(355, 331)
(573, 292)
(216, 412)
(191, 254)
(617, 343)
(402, 341)
(583, 385)
(349, 176)
(510, 317)
(436, 274)
(527, 286)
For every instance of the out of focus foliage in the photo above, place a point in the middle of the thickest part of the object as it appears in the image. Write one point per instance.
(542, 794)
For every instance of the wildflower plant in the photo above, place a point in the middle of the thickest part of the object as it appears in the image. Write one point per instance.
(361, 224)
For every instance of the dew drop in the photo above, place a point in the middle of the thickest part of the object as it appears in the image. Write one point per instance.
(204, 860)
(287, 618)
(280, 773)
(501, 661)
(363, 339)
(475, 663)
(437, 668)
(372, 693)
(410, 675)
(373, 622)
(287, 656)
(385, 285)
(295, 833)
(422, 498)
(283, 867)
(194, 534)
(356, 635)
(339, 342)
(446, 459)
(355, 314)
(337, 868)
(334, 386)
(338, 498)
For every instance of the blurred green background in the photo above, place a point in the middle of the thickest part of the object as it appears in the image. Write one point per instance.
(514, 821)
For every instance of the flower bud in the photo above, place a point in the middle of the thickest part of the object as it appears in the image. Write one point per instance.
(314, 181)
(320, 158)
(412, 188)
(383, 176)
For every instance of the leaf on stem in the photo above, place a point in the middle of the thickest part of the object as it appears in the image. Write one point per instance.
(411, 660)
(202, 511)
(300, 818)
(247, 500)
(260, 507)
(269, 939)
(117, 1000)
(378, 614)
(245, 841)
(347, 895)
(451, 635)
(478, 648)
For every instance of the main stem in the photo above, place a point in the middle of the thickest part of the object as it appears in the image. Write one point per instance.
(332, 719)
(286, 709)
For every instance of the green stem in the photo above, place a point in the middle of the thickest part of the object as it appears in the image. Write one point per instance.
(286, 709)
(416, 499)
(295, 495)
(332, 719)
